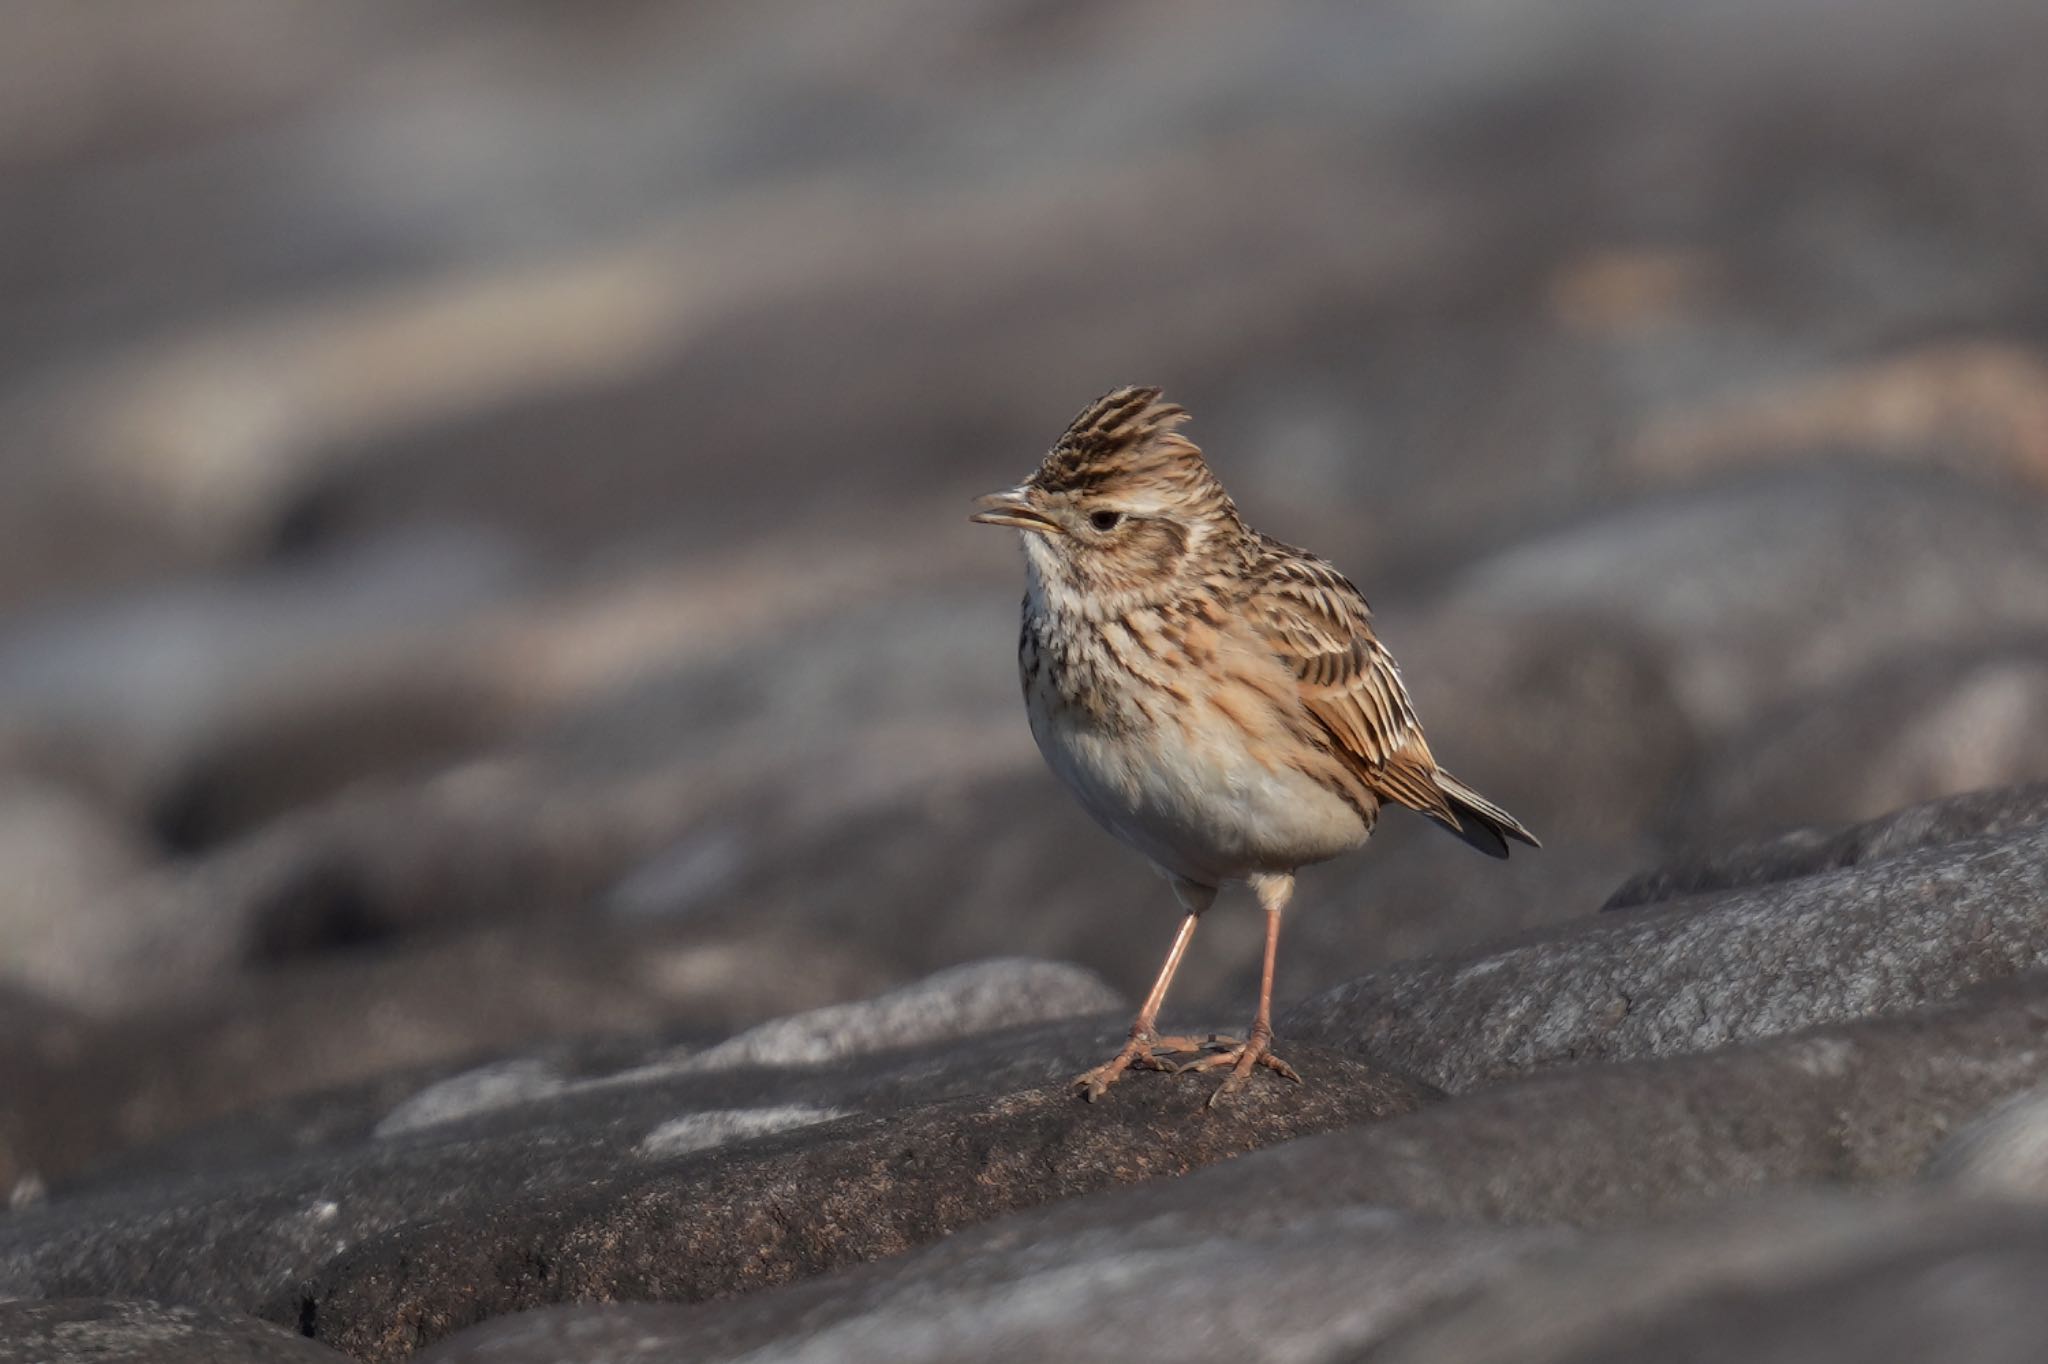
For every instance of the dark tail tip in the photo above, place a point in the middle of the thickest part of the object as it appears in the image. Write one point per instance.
(1481, 823)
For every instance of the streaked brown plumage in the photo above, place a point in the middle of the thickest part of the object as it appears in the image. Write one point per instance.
(1215, 698)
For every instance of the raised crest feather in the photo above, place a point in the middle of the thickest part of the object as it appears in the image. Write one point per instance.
(1129, 435)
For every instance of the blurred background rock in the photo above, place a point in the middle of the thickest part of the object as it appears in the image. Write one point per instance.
(482, 486)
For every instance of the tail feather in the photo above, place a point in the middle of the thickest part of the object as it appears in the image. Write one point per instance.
(1481, 823)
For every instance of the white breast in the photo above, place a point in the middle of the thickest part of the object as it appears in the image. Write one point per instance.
(1191, 793)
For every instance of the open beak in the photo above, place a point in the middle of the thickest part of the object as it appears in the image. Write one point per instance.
(1013, 508)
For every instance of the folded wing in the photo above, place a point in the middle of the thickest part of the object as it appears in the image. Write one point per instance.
(1313, 618)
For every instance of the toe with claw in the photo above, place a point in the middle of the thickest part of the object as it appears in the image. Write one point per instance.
(1242, 1058)
(1140, 1053)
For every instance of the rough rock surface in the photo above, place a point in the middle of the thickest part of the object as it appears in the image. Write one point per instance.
(1703, 972)
(1385, 1287)
(1863, 1103)
(1868, 1100)
(462, 1188)
(1158, 1285)
(116, 1331)
(811, 1200)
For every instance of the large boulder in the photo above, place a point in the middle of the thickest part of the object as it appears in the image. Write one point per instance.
(1700, 973)
(1334, 1241)
(679, 1172)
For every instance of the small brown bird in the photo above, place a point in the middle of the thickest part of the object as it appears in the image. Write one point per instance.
(1215, 698)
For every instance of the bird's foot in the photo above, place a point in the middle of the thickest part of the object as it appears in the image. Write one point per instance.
(1242, 1058)
(1140, 1053)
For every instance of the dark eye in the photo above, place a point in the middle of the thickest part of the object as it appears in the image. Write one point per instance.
(1105, 520)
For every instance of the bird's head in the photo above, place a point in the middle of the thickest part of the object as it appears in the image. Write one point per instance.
(1123, 511)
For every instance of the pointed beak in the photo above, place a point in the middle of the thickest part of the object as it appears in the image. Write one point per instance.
(1013, 508)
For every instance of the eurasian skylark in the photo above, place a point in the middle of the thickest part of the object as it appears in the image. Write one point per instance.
(1215, 698)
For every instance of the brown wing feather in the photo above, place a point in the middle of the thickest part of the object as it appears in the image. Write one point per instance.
(1313, 617)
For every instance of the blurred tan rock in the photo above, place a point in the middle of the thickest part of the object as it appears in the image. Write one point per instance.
(63, 869)
(1910, 729)
(1978, 407)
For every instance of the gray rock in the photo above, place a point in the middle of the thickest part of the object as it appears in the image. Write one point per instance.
(1804, 1279)
(1367, 1284)
(955, 1003)
(406, 1238)
(818, 1195)
(170, 686)
(717, 1126)
(62, 863)
(114, 1331)
(38, 1038)
(1707, 971)
(1863, 1101)
(1601, 1146)
(2003, 1154)
(979, 997)
(492, 1086)
(1784, 583)
(1914, 728)
(1805, 852)
(216, 1068)
(1170, 1285)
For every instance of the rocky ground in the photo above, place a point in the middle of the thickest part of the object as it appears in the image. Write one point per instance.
(512, 790)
